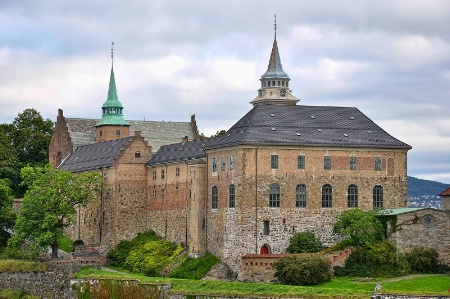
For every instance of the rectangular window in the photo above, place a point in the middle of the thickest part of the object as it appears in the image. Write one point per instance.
(154, 193)
(301, 162)
(326, 163)
(231, 162)
(274, 161)
(177, 171)
(117, 132)
(352, 163)
(162, 173)
(266, 228)
(137, 154)
(105, 176)
(162, 193)
(222, 163)
(154, 174)
(378, 163)
(214, 165)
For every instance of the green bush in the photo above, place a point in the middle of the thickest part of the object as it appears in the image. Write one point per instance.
(303, 270)
(304, 242)
(423, 259)
(152, 257)
(375, 260)
(194, 268)
(65, 243)
(118, 255)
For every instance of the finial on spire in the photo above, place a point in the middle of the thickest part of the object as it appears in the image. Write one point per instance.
(275, 16)
(112, 53)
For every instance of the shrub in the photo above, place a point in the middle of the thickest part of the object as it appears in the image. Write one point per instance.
(194, 268)
(423, 259)
(304, 242)
(303, 270)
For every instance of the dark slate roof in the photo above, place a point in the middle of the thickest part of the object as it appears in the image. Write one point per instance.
(301, 125)
(157, 133)
(180, 151)
(94, 156)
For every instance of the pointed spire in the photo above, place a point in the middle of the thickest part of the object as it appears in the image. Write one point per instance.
(112, 109)
(275, 69)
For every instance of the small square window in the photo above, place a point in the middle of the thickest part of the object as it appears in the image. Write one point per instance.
(117, 132)
(274, 161)
(326, 163)
(352, 163)
(137, 154)
(301, 162)
(222, 163)
(231, 162)
(378, 163)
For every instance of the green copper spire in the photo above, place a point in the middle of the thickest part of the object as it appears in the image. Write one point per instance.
(112, 110)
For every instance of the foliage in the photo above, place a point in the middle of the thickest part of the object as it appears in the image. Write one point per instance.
(49, 205)
(423, 260)
(303, 270)
(219, 133)
(361, 228)
(151, 257)
(7, 216)
(21, 266)
(23, 142)
(10, 294)
(65, 243)
(118, 255)
(304, 242)
(194, 268)
(376, 260)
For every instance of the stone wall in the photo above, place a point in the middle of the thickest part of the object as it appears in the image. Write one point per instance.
(423, 228)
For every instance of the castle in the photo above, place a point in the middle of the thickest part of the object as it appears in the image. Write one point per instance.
(282, 168)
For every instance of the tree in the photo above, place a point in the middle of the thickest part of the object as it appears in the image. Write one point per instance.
(9, 169)
(7, 215)
(304, 242)
(50, 204)
(303, 269)
(359, 227)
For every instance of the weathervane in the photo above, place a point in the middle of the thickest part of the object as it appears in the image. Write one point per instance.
(275, 16)
(112, 53)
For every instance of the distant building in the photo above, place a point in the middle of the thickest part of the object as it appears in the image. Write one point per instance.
(282, 168)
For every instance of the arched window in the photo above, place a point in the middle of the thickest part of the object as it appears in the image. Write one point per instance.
(274, 196)
(214, 198)
(352, 196)
(378, 196)
(300, 196)
(327, 196)
(231, 196)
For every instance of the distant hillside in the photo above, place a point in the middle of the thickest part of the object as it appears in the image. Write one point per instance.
(418, 187)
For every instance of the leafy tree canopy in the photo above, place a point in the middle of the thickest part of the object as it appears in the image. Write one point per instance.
(50, 204)
(361, 228)
(7, 216)
(304, 242)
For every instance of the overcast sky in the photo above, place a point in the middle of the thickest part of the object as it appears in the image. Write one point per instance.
(390, 59)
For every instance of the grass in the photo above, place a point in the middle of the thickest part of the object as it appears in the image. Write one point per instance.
(9, 294)
(65, 243)
(21, 266)
(339, 287)
(195, 268)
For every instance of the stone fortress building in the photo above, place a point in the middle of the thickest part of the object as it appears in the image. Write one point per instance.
(282, 168)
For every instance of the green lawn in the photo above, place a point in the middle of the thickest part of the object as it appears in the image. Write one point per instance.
(340, 287)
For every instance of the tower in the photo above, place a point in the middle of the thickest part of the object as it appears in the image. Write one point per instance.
(112, 125)
(275, 82)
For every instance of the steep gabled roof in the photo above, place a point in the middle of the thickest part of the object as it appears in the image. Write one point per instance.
(94, 156)
(446, 192)
(302, 125)
(180, 151)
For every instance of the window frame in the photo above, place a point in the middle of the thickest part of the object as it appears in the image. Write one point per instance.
(300, 196)
(326, 162)
(231, 162)
(301, 162)
(154, 174)
(274, 161)
(232, 196)
(352, 162)
(352, 196)
(214, 164)
(177, 171)
(214, 198)
(378, 197)
(327, 196)
(266, 227)
(378, 163)
(222, 163)
(163, 174)
(274, 195)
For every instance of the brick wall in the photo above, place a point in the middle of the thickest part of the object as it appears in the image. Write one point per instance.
(61, 144)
